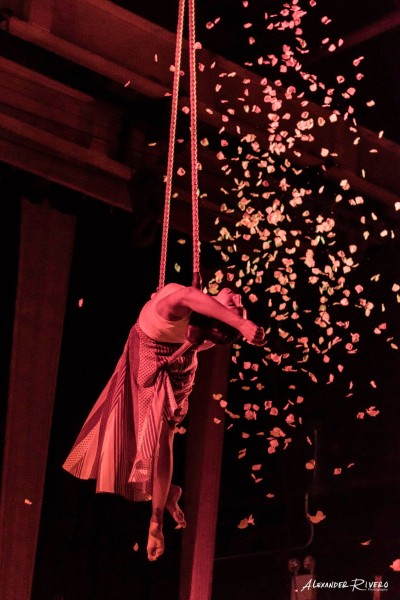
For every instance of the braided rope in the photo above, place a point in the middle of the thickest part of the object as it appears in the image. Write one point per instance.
(171, 147)
(193, 144)
(193, 138)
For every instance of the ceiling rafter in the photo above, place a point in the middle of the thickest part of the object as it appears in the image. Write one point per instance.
(145, 77)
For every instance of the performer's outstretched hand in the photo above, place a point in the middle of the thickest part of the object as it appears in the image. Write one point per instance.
(252, 333)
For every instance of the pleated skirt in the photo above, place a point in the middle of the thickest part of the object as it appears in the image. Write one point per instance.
(119, 440)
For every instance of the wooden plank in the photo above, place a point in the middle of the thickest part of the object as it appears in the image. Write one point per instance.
(88, 59)
(44, 262)
(128, 43)
(27, 90)
(46, 119)
(379, 183)
(39, 101)
(333, 137)
(61, 147)
(46, 163)
(17, 71)
(202, 474)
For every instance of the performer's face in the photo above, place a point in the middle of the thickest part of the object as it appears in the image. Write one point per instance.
(228, 298)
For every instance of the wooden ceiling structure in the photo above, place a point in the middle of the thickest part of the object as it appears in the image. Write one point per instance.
(71, 71)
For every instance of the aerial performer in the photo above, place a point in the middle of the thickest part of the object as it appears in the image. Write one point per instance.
(127, 440)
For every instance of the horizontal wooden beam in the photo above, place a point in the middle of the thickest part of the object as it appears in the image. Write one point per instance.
(62, 147)
(76, 54)
(132, 45)
(70, 137)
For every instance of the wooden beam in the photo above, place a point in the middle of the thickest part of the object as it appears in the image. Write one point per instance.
(118, 73)
(87, 122)
(202, 475)
(44, 262)
(129, 49)
(63, 147)
(364, 34)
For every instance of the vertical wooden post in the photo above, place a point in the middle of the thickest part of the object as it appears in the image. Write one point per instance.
(202, 478)
(44, 263)
(376, 594)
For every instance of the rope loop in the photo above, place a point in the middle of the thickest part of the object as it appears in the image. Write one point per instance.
(193, 140)
(172, 138)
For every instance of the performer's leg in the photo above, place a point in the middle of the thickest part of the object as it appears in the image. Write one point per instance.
(162, 473)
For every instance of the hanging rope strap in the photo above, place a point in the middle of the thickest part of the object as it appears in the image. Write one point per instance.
(200, 327)
(172, 137)
(193, 144)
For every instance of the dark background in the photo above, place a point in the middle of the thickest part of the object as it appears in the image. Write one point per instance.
(85, 546)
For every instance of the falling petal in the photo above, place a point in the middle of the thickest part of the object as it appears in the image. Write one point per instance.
(395, 565)
(317, 518)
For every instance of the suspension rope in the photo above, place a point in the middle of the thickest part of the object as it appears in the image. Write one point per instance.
(172, 137)
(193, 143)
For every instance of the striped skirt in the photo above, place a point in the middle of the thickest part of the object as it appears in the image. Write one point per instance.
(119, 439)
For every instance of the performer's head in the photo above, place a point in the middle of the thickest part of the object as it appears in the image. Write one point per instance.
(231, 300)
(228, 298)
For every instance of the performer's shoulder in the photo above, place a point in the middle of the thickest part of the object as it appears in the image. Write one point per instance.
(168, 289)
(173, 286)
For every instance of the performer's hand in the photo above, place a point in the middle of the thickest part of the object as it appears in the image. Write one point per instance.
(252, 333)
(155, 543)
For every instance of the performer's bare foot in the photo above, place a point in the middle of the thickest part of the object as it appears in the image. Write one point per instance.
(172, 506)
(155, 542)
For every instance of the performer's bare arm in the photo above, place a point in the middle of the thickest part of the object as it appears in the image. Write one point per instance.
(180, 303)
